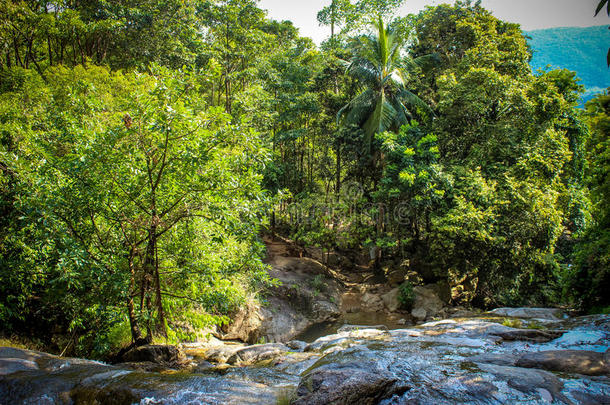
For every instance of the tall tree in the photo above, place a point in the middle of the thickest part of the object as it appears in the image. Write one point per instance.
(379, 67)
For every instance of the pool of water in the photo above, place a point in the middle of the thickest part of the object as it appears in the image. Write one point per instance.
(356, 318)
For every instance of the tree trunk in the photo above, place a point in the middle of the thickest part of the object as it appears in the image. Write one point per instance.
(136, 335)
(338, 172)
(160, 311)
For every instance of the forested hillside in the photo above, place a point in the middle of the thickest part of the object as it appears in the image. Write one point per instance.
(146, 148)
(582, 50)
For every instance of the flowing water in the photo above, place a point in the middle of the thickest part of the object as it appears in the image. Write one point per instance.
(446, 362)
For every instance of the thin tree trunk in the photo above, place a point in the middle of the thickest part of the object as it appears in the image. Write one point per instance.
(50, 51)
(338, 172)
(17, 57)
(136, 335)
(160, 311)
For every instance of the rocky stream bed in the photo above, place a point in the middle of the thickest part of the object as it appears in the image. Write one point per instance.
(454, 361)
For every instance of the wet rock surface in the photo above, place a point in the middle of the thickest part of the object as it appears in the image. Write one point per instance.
(348, 383)
(463, 360)
(166, 355)
(254, 354)
(530, 335)
(309, 294)
(529, 313)
(569, 361)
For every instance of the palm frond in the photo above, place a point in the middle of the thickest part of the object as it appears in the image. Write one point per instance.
(411, 100)
(352, 112)
(363, 71)
(601, 5)
(422, 62)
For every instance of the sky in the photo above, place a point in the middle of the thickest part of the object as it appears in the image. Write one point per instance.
(531, 14)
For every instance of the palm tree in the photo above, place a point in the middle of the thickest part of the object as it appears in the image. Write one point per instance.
(383, 102)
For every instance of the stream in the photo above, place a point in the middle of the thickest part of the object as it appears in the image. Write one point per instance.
(454, 361)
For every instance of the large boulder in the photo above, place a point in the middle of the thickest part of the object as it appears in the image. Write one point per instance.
(12, 365)
(256, 353)
(426, 303)
(307, 295)
(396, 277)
(546, 384)
(348, 383)
(220, 354)
(391, 300)
(569, 361)
(442, 290)
(530, 335)
(245, 325)
(166, 355)
(371, 303)
(529, 313)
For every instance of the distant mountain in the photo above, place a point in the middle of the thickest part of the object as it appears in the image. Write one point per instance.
(579, 49)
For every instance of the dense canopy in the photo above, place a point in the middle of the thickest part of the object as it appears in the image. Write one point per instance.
(146, 146)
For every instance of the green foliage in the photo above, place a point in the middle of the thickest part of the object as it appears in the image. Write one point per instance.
(382, 100)
(512, 323)
(590, 277)
(406, 295)
(317, 283)
(131, 200)
(136, 189)
(349, 18)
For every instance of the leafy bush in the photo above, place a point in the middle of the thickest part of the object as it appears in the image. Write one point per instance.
(406, 295)
(512, 323)
(317, 283)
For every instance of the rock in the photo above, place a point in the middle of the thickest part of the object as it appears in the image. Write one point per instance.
(391, 300)
(297, 345)
(419, 313)
(202, 366)
(166, 355)
(348, 383)
(254, 354)
(396, 277)
(308, 295)
(327, 342)
(503, 359)
(142, 366)
(530, 335)
(220, 354)
(527, 380)
(459, 312)
(246, 325)
(426, 303)
(569, 361)
(12, 365)
(104, 395)
(371, 303)
(24, 354)
(442, 290)
(353, 328)
(529, 313)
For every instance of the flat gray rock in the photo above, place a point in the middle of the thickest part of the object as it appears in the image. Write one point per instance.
(11, 365)
(530, 335)
(529, 313)
(569, 361)
(253, 354)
